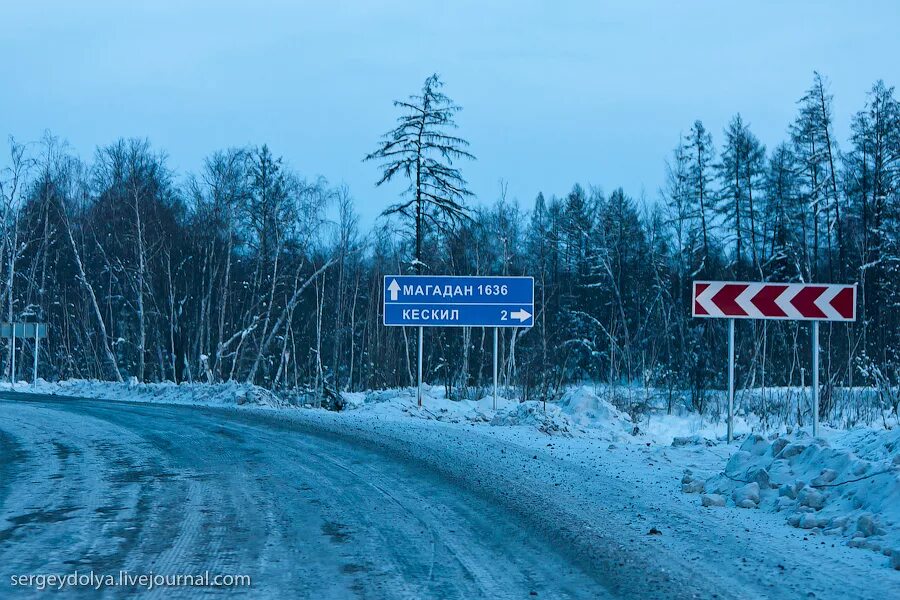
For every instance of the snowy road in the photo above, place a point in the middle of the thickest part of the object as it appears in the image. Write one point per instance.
(107, 486)
(312, 504)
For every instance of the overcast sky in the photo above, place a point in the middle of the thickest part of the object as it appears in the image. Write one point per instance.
(553, 92)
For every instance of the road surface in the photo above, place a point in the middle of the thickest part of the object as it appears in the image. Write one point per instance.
(92, 485)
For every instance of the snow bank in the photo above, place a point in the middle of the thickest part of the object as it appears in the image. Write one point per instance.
(846, 486)
(588, 409)
(550, 420)
(221, 394)
(402, 403)
(580, 411)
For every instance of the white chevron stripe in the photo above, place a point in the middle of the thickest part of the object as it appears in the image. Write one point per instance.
(784, 300)
(704, 298)
(743, 300)
(824, 302)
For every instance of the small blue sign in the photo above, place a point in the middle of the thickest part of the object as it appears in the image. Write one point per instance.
(451, 301)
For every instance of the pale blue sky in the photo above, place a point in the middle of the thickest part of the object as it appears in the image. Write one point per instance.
(553, 92)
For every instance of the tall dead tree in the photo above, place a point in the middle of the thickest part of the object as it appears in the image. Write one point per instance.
(420, 150)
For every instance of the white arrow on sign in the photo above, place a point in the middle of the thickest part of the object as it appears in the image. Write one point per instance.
(394, 289)
(521, 315)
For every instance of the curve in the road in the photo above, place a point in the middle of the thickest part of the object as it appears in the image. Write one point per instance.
(110, 486)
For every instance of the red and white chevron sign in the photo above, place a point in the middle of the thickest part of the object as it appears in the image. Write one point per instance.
(794, 301)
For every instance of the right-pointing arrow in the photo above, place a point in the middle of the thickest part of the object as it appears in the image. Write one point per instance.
(522, 315)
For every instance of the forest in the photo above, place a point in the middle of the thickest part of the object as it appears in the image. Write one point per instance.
(258, 271)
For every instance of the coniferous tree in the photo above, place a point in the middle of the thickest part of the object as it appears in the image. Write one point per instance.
(421, 150)
(700, 149)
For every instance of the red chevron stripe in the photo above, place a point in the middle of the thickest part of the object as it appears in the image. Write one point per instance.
(698, 289)
(843, 303)
(764, 300)
(725, 299)
(805, 302)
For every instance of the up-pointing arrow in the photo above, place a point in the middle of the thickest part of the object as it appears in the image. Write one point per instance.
(393, 289)
(522, 315)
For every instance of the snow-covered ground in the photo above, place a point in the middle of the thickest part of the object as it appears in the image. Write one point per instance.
(843, 485)
(785, 513)
(219, 394)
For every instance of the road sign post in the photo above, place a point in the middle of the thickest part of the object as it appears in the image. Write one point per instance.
(815, 377)
(730, 380)
(24, 331)
(12, 366)
(37, 349)
(419, 386)
(457, 301)
(783, 301)
(496, 331)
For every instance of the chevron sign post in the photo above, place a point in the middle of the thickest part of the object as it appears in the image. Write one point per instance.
(785, 301)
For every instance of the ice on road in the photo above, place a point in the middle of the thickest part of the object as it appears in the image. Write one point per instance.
(108, 486)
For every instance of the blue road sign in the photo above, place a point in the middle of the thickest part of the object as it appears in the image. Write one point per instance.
(451, 301)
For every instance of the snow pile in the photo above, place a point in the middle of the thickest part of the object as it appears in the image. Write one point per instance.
(552, 421)
(693, 428)
(847, 486)
(399, 403)
(220, 394)
(580, 411)
(586, 409)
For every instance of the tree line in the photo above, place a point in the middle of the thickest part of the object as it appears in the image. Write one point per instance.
(249, 271)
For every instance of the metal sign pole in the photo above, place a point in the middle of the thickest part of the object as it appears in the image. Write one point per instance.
(496, 329)
(730, 380)
(421, 337)
(815, 377)
(12, 373)
(37, 348)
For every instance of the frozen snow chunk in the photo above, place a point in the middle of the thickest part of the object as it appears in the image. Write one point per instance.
(691, 440)
(811, 498)
(760, 476)
(840, 522)
(792, 450)
(825, 477)
(791, 491)
(746, 496)
(738, 461)
(712, 500)
(755, 444)
(691, 484)
(813, 521)
(719, 484)
(867, 526)
(695, 486)
(895, 559)
(778, 445)
(861, 467)
(783, 503)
